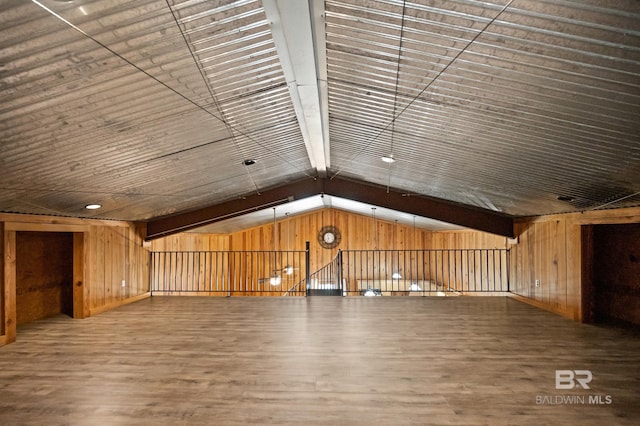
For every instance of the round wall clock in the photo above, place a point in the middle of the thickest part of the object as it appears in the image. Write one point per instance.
(329, 237)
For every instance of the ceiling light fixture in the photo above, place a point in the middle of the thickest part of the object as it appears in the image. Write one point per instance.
(93, 206)
(275, 279)
(566, 198)
(388, 158)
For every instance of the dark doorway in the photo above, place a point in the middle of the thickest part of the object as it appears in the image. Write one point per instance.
(44, 275)
(613, 280)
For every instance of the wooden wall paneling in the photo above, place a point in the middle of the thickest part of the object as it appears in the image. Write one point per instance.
(80, 287)
(550, 249)
(560, 259)
(136, 282)
(524, 279)
(2, 286)
(99, 236)
(573, 261)
(532, 261)
(109, 269)
(98, 271)
(537, 251)
(359, 232)
(120, 239)
(541, 268)
(516, 260)
(553, 287)
(587, 288)
(9, 286)
(139, 261)
(130, 257)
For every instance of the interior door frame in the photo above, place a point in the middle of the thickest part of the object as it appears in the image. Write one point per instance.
(587, 289)
(80, 290)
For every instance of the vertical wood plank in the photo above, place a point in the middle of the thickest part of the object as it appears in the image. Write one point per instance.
(10, 286)
(2, 285)
(587, 302)
(80, 287)
(99, 270)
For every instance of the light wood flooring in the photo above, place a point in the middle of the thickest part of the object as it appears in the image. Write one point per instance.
(316, 361)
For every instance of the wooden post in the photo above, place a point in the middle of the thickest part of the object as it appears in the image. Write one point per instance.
(79, 285)
(10, 286)
(587, 285)
(2, 284)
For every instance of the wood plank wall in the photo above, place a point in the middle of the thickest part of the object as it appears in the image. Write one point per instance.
(110, 251)
(116, 253)
(359, 232)
(3, 289)
(549, 249)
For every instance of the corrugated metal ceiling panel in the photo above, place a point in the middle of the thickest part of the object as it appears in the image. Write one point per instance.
(503, 108)
(143, 108)
(150, 107)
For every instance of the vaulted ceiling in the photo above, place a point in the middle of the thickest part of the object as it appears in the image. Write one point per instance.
(151, 107)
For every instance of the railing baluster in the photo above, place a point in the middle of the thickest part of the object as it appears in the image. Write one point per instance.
(351, 271)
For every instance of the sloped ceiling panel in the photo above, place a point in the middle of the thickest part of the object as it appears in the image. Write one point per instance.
(150, 107)
(505, 105)
(146, 107)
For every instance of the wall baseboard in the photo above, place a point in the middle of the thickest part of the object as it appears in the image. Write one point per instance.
(105, 308)
(543, 306)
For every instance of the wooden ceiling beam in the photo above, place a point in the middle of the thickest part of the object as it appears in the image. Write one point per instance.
(181, 222)
(419, 205)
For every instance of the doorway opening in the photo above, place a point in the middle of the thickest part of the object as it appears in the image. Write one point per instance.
(611, 274)
(44, 275)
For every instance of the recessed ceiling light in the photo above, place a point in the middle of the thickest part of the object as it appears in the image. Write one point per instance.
(566, 198)
(92, 206)
(388, 158)
(249, 162)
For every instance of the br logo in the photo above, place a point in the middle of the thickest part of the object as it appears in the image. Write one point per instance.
(569, 379)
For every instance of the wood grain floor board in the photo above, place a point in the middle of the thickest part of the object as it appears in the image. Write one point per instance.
(316, 361)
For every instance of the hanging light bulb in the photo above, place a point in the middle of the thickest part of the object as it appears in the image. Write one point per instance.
(275, 280)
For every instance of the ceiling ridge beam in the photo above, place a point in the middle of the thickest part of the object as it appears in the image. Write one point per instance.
(301, 45)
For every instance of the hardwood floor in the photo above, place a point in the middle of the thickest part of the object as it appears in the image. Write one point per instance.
(322, 361)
